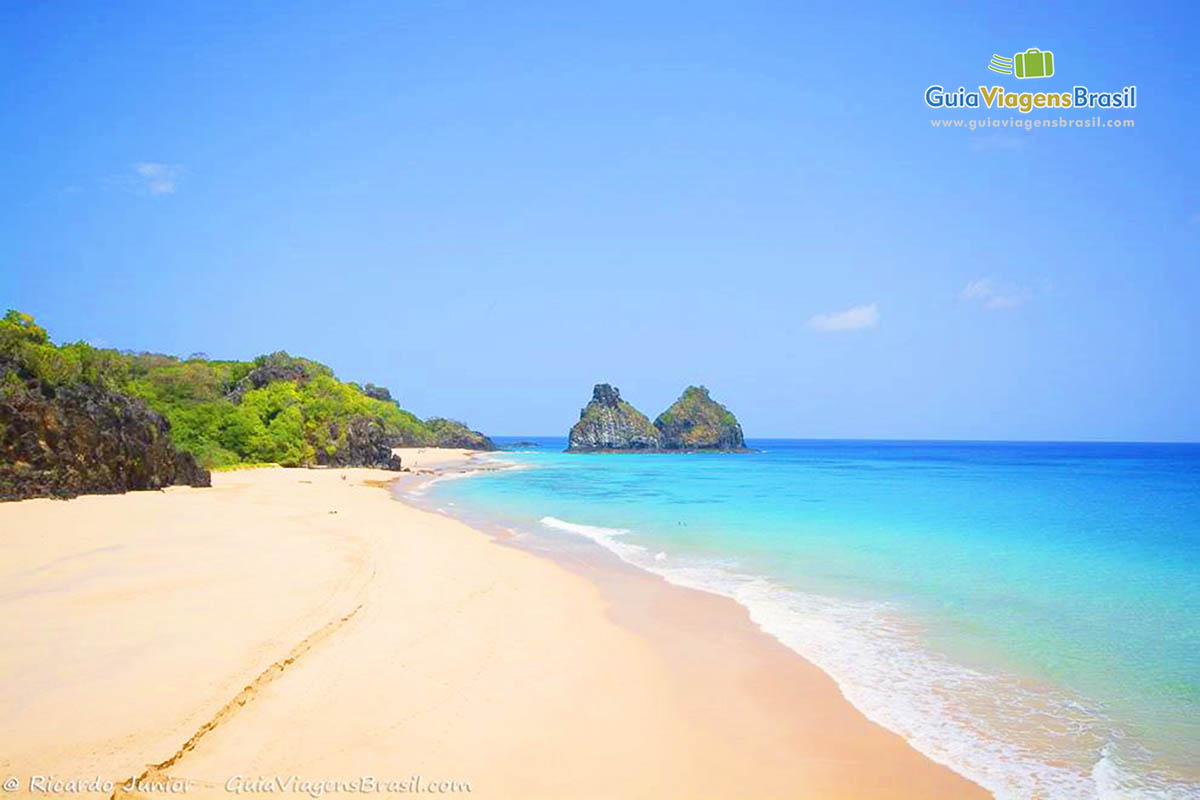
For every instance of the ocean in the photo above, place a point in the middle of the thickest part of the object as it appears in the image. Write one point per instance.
(1026, 613)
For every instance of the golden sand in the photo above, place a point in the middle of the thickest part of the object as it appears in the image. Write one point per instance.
(300, 630)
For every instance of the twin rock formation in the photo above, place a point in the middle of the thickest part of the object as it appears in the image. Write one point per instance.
(693, 422)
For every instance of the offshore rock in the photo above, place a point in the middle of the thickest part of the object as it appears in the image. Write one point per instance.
(609, 423)
(697, 422)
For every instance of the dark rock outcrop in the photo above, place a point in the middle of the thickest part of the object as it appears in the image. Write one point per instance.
(610, 423)
(358, 442)
(697, 422)
(268, 373)
(82, 438)
(452, 433)
(379, 393)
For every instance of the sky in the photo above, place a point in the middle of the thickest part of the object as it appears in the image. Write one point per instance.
(489, 208)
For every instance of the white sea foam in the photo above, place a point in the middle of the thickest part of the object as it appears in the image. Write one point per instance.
(606, 537)
(594, 532)
(1016, 739)
(424, 486)
(1115, 783)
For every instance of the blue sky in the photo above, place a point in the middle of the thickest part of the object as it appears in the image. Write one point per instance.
(489, 208)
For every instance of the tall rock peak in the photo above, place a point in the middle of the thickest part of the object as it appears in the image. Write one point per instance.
(610, 423)
(606, 395)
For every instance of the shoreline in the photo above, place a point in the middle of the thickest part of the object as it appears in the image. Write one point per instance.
(630, 589)
(301, 622)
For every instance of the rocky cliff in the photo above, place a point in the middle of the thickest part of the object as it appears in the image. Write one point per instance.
(60, 441)
(609, 423)
(452, 433)
(359, 442)
(697, 422)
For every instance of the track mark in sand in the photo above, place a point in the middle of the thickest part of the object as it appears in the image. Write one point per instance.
(156, 772)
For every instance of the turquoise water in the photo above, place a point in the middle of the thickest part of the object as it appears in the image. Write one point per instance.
(1026, 613)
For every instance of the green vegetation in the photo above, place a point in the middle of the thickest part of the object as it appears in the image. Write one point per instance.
(24, 341)
(276, 409)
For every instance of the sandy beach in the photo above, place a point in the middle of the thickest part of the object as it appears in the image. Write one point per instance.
(300, 631)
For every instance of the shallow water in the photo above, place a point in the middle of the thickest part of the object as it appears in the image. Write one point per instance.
(1024, 612)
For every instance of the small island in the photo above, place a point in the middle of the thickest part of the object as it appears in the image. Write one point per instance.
(608, 423)
(697, 422)
(694, 422)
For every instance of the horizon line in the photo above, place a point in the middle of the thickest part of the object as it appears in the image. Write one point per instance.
(900, 439)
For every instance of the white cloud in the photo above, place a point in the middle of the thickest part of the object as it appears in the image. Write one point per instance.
(977, 289)
(852, 319)
(995, 296)
(157, 178)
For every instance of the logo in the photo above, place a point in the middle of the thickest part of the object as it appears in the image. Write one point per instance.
(1033, 63)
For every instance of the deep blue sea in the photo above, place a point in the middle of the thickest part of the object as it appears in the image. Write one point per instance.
(1027, 613)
